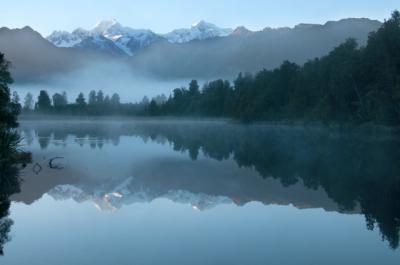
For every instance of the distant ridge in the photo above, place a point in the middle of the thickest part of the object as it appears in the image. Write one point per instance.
(110, 36)
(203, 51)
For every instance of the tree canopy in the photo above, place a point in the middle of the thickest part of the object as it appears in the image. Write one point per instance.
(8, 110)
(351, 84)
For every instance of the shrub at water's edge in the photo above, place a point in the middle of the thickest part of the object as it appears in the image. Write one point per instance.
(9, 110)
(10, 154)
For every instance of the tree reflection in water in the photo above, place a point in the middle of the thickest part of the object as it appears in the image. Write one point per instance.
(356, 168)
(9, 184)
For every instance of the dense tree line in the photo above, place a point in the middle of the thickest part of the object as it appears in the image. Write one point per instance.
(349, 85)
(96, 103)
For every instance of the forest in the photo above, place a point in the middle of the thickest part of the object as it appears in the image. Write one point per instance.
(351, 84)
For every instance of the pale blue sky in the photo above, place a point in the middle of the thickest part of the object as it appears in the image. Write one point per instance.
(165, 15)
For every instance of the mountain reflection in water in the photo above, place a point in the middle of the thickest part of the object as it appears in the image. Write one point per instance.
(117, 163)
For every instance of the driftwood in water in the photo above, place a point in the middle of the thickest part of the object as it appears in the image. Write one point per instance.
(52, 166)
(37, 168)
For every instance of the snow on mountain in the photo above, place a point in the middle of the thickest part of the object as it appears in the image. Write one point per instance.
(199, 31)
(101, 44)
(64, 39)
(128, 192)
(107, 36)
(129, 40)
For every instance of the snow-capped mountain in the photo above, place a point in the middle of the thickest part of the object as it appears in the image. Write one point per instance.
(127, 39)
(101, 44)
(111, 37)
(65, 39)
(199, 31)
(107, 36)
(129, 192)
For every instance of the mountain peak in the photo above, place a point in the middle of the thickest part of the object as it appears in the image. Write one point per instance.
(242, 31)
(104, 25)
(203, 24)
(198, 31)
(28, 28)
(107, 35)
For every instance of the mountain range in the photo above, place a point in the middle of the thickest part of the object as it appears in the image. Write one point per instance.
(203, 51)
(110, 36)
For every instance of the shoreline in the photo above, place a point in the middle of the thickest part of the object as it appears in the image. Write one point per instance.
(366, 128)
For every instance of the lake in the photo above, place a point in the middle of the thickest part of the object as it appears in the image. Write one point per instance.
(204, 192)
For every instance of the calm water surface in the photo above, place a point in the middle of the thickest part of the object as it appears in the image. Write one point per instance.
(179, 192)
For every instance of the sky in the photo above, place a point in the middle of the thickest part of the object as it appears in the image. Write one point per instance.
(163, 16)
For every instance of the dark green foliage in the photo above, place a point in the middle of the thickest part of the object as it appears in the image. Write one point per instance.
(99, 104)
(92, 97)
(194, 89)
(43, 103)
(8, 110)
(80, 100)
(216, 98)
(9, 144)
(349, 85)
(153, 108)
(115, 99)
(59, 100)
(99, 97)
(9, 180)
(381, 72)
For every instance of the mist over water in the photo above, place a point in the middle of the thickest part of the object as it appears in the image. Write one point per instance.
(171, 186)
(111, 77)
(278, 146)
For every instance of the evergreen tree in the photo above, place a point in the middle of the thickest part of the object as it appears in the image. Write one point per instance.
(15, 101)
(8, 111)
(115, 99)
(107, 100)
(43, 103)
(100, 97)
(92, 97)
(80, 100)
(28, 102)
(194, 89)
(153, 108)
(145, 101)
(59, 101)
(15, 98)
(65, 98)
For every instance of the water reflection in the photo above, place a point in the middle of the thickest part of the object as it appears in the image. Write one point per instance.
(9, 184)
(343, 171)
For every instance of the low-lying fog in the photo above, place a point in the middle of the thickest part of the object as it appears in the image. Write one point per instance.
(110, 77)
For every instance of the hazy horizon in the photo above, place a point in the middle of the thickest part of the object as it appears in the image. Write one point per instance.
(177, 14)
